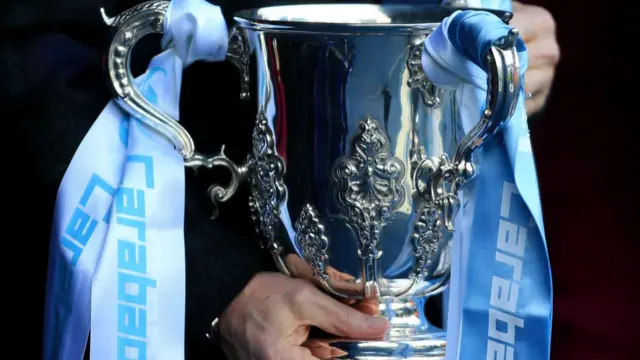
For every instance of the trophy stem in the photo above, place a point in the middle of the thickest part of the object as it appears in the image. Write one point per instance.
(410, 336)
(406, 317)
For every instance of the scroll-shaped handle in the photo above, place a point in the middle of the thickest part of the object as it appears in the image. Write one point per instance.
(486, 40)
(149, 18)
(492, 45)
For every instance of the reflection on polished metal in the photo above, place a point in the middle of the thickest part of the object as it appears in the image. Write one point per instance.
(238, 53)
(313, 242)
(368, 186)
(132, 25)
(431, 94)
(350, 175)
(268, 192)
(456, 3)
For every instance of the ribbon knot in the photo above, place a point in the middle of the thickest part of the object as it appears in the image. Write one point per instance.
(196, 30)
(454, 53)
(473, 33)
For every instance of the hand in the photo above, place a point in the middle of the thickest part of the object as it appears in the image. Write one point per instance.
(538, 30)
(270, 319)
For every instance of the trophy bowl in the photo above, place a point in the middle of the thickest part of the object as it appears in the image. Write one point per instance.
(357, 157)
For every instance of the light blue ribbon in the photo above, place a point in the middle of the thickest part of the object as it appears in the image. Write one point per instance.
(117, 246)
(501, 295)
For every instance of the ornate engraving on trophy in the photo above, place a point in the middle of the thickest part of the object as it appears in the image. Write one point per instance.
(150, 6)
(436, 182)
(239, 54)
(431, 94)
(369, 186)
(152, 15)
(268, 191)
(425, 240)
(311, 238)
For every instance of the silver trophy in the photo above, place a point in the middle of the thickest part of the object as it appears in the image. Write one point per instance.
(357, 158)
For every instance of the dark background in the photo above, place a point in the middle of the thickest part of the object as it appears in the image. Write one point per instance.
(584, 148)
(52, 88)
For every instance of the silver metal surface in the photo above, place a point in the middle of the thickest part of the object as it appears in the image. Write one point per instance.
(132, 25)
(357, 158)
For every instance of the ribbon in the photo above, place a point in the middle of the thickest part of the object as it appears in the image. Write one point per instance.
(500, 293)
(116, 261)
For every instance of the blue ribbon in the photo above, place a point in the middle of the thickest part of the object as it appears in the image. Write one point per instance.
(117, 245)
(501, 293)
(473, 33)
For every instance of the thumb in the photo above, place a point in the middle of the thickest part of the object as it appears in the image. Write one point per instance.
(320, 310)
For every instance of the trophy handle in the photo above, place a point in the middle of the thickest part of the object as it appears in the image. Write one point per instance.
(503, 89)
(440, 178)
(149, 18)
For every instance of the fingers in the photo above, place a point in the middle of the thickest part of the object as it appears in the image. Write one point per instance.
(535, 104)
(537, 82)
(338, 275)
(533, 21)
(312, 307)
(543, 52)
(271, 317)
(332, 322)
(369, 307)
(299, 353)
(341, 282)
(322, 349)
(298, 267)
(538, 30)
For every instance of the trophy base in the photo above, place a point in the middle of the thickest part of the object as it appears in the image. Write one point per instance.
(428, 347)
